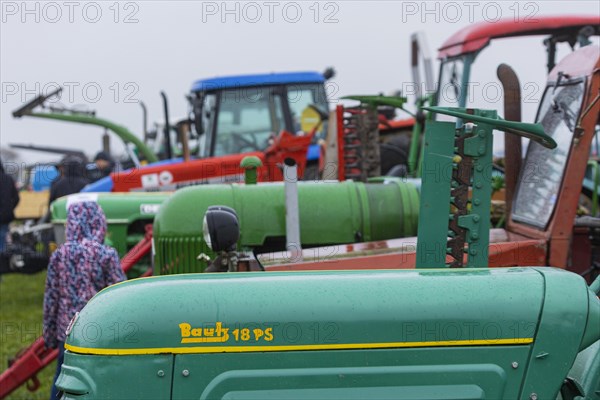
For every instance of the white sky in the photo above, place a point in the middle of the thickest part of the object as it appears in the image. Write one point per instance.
(168, 45)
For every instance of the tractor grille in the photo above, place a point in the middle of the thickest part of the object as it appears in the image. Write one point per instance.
(179, 255)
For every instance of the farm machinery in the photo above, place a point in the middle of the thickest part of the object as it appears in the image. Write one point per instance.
(241, 103)
(234, 117)
(514, 248)
(454, 88)
(543, 227)
(526, 333)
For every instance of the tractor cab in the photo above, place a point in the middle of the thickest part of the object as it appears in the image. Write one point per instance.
(458, 53)
(241, 114)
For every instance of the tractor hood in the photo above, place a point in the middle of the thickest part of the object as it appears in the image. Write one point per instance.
(329, 213)
(265, 312)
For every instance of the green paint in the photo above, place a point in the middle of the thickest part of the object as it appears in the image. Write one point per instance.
(374, 101)
(435, 194)
(534, 132)
(250, 164)
(439, 159)
(413, 152)
(545, 308)
(122, 132)
(330, 213)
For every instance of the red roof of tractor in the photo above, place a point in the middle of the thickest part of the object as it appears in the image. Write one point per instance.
(477, 36)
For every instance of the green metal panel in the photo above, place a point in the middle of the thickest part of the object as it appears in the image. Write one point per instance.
(330, 213)
(410, 374)
(496, 334)
(586, 372)
(435, 194)
(479, 146)
(112, 377)
(559, 334)
(365, 309)
(121, 210)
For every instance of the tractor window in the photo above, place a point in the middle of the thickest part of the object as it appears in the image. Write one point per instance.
(246, 120)
(300, 97)
(205, 115)
(543, 169)
(450, 86)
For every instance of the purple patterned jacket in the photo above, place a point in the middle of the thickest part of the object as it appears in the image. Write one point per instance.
(78, 270)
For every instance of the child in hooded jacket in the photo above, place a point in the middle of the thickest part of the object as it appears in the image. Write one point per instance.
(78, 269)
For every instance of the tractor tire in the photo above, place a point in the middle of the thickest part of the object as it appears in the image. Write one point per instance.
(393, 153)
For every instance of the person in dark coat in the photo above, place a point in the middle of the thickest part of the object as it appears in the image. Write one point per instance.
(71, 180)
(9, 198)
(103, 165)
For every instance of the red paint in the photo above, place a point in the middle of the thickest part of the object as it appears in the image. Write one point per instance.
(284, 145)
(477, 36)
(138, 251)
(27, 364)
(339, 115)
(386, 125)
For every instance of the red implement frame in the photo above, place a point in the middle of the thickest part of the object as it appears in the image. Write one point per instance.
(28, 362)
(339, 113)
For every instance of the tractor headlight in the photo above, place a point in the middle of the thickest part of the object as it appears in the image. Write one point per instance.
(205, 232)
(220, 228)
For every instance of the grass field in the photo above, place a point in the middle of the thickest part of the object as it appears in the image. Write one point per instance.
(21, 300)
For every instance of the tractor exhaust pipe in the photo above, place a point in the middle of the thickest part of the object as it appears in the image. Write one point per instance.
(169, 151)
(292, 218)
(513, 147)
(144, 121)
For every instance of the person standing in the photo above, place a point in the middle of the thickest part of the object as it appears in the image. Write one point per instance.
(9, 199)
(102, 166)
(78, 269)
(71, 180)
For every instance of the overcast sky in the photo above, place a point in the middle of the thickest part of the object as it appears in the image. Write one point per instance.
(110, 55)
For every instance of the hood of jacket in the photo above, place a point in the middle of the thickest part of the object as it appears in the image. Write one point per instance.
(85, 220)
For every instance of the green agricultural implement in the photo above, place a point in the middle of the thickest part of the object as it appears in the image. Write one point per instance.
(430, 333)
(86, 118)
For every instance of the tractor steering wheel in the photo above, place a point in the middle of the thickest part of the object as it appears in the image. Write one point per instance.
(241, 142)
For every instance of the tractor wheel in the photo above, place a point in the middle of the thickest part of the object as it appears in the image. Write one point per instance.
(394, 153)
